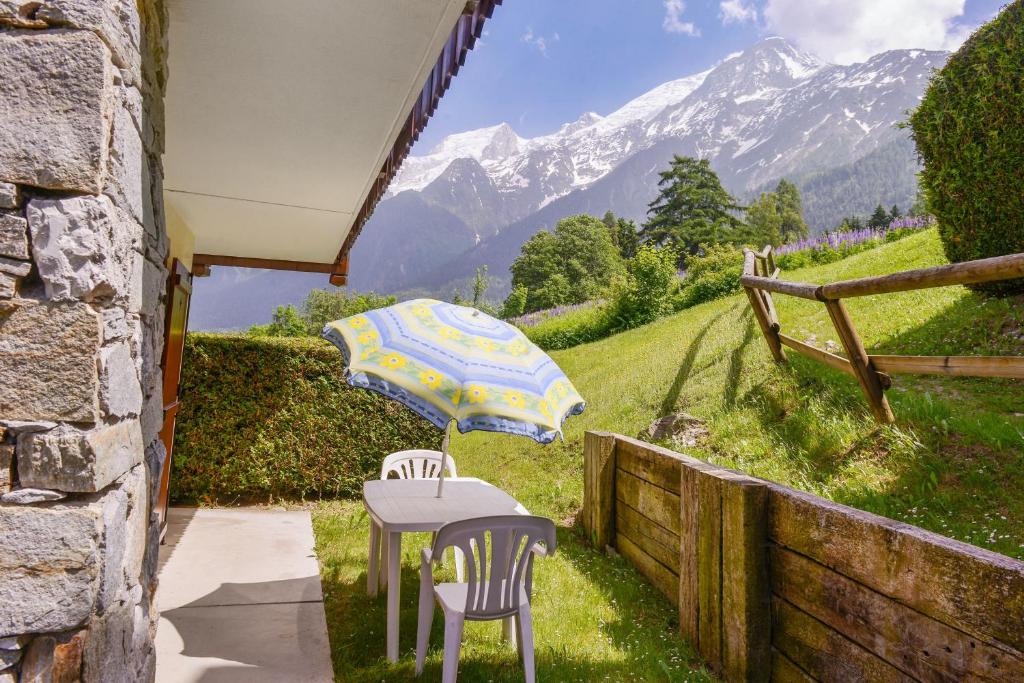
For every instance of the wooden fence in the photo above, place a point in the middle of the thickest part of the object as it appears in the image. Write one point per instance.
(761, 278)
(776, 584)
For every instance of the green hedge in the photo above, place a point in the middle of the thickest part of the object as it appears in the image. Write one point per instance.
(271, 418)
(969, 131)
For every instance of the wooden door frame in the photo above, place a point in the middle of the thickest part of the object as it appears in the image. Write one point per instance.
(180, 278)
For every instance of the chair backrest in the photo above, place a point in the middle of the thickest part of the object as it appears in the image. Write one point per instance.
(416, 464)
(497, 570)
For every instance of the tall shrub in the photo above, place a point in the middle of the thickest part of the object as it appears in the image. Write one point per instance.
(269, 418)
(969, 131)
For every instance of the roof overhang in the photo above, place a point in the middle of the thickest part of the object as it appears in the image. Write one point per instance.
(287, 121)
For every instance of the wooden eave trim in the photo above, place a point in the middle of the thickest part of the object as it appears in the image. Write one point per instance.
(463, 37)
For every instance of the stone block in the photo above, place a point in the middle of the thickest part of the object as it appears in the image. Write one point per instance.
(13, 233)
(54, 658)
(119, 648)
(116, 22)
(6, 467)
(48, 362)
(10, 196)
(69, 459)
(116, 324)
(120, 387)
(14, 267)
(55, 109)
(86, 249)
(128, 182)
(30, 496)
(8, 286)
(49, 566)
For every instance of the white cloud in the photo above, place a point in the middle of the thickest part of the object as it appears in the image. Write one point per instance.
(539, 42)
(847, 31)
(736, 11)
(673, 21)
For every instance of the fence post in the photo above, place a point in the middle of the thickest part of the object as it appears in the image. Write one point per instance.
(864, 369)
(689, 530)
(709, 568)
(746, 596)
(599, 488)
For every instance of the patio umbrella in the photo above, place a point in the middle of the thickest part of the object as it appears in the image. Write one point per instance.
(455, 365)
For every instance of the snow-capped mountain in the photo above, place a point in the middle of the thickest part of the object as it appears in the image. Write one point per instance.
(765, 113)
(761, 114)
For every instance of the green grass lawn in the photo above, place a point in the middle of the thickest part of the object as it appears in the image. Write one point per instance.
(953, 463)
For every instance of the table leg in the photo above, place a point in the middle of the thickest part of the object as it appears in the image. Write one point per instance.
(394, 586)
(382, 574)
(373, 568)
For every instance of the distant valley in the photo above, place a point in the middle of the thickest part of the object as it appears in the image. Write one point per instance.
(766, 113)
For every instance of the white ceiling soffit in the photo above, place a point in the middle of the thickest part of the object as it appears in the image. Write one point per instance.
(280, 114)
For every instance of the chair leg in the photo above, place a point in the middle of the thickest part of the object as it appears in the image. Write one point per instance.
(508, 630)
(373, 568)
(426, 618)
(525, 623)
(452, 644)
(394, 592)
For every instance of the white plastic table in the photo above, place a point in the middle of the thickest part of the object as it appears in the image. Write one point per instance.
(398, 505)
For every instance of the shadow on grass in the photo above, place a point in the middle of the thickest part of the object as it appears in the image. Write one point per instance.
(955, 456)
(638, 643)
(668, 405)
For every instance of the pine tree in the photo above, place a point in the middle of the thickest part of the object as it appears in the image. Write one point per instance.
(793, 226)
(692, 208)
(480, 284)
(894, 213)
(879, 219)
(626, 238)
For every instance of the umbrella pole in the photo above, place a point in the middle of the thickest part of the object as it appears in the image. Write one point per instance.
(444, 457)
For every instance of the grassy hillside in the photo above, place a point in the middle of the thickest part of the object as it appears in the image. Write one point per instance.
(954, 463)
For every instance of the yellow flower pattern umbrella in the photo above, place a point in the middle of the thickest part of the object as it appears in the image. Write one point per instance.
(454, 364)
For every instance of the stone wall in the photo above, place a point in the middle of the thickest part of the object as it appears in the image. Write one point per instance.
(82, 287)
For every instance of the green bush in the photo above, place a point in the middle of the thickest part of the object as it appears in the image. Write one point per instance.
(268, 418)
(643, 294)
(712, 274)
(571, 329)
(969, 131)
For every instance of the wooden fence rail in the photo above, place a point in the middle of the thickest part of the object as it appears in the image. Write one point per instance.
(873, 372)
(776, 584)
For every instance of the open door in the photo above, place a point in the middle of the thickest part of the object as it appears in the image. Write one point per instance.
(179, 291)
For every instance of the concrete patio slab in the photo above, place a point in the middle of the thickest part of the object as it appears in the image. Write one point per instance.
(240, 599)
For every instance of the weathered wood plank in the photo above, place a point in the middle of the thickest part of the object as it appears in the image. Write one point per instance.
(916, 644)
(820, 355)
(968, 272)
(863, 370)
(642, 461)
(966, 587)
(823, 652)
(658, 574)
(746, 595)
(785, 671)
(689, 604)
(802, 290)
(970, 366)
(599, 488)
(771, 334)
(657, 504)
(709, 569)
(653, 539)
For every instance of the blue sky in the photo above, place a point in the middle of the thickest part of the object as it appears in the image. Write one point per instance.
(542, 63)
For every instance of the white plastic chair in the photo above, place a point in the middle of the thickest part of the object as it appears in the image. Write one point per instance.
(412, 464)
(498, 587)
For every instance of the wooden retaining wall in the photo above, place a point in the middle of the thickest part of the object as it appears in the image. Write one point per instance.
(776, 584)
